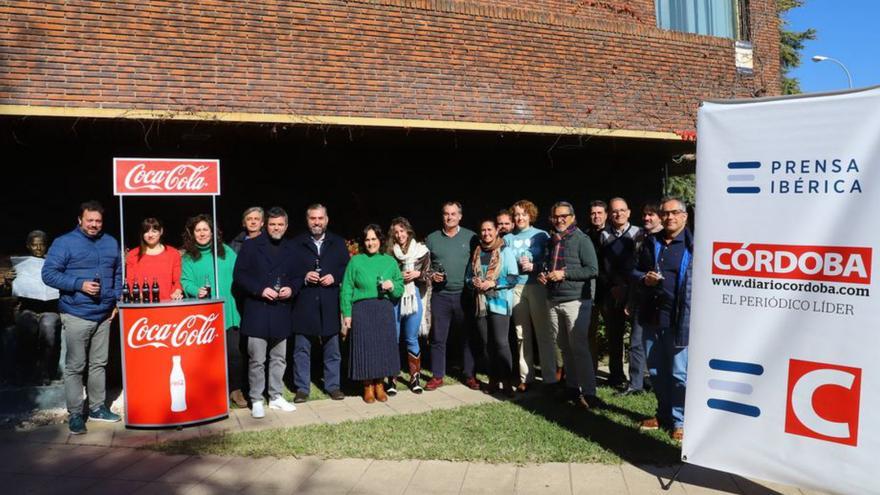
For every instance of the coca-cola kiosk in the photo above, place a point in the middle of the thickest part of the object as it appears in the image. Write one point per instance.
(173, 352)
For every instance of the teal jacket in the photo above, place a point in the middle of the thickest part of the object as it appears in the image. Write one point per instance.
(193, 274)
(500, 301)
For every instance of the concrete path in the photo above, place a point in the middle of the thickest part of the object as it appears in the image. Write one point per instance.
(49, 460)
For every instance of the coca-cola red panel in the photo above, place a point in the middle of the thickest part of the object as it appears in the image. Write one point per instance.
(174, 363)
(165, 177)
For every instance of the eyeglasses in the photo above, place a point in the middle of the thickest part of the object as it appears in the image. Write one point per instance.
(664, 214)
(618, 212)
(561, 217)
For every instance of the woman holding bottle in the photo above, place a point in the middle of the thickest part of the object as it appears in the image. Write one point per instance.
(154, 264)
(414, 260)
(197, 279)
(492, 273)
(371, 283)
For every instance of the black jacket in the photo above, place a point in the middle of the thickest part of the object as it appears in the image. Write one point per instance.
(256, 268)
(316, 308)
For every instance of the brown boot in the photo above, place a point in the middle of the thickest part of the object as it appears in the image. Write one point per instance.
(415, 372)
(381, 396)
(369, 392)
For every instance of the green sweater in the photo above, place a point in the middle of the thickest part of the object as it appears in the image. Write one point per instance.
(454, 253)
(193, 274)
(362, 276)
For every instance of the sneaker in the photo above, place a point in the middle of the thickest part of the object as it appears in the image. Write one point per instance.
(301, 396)
(391, 387)
(650, 424)
(334, 394)
(282, 404)
(76, 424)
(629, 391)
(434, 383)
(103, 414)
(257, 411)
(472, 383)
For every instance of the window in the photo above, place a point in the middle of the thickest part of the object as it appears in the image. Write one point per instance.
(722, 18)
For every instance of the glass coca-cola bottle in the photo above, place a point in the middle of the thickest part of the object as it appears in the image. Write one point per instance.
(135, 292)
(207, 288)
(154, 291)
(126, 293)
(145, 292)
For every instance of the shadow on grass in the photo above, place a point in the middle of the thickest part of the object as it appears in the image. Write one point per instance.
(648, 451)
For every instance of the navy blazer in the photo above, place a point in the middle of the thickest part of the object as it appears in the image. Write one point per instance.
(316, 308)
(255, 269)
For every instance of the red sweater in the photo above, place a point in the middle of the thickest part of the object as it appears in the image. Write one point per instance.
(164, 267)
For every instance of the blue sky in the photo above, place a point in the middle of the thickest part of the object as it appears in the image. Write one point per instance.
(848, 30)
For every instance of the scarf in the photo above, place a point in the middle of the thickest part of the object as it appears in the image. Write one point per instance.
(557, 248)
(492, 271)
(407, 261)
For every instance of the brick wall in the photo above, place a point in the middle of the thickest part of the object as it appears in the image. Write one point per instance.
(584, 63)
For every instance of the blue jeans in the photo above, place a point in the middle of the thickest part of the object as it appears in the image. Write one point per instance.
(410, 324)
(667, 366)
(302, 361)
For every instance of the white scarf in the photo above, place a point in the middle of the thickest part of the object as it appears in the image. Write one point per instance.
(414, 252)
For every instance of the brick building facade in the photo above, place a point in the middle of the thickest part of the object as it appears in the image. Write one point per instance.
(550, 66)
(571, 91)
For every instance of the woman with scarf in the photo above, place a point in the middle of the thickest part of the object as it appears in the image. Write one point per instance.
(492, 273)
(414, 261)
(371, 285)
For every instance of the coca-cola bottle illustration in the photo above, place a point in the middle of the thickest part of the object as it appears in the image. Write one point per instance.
(154, 291)
(145, 292)
(135, 291)
(178, 386)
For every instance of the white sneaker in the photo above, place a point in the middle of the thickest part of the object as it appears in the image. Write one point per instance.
(257, 410)
(280, 403)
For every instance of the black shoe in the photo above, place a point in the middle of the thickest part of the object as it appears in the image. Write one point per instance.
(76, 424)
(629, 391)
(588, 402)
(299, 397)
(334, 394)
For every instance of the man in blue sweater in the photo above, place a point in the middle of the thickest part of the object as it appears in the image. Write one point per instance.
(84, 266)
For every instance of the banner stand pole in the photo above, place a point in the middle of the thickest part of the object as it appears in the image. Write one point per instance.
(666, 486)
(122, 239)
(216, 292)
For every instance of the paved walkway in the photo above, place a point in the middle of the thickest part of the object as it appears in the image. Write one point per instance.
(49, 460)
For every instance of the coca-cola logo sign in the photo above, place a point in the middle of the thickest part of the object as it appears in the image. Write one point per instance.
(139, 176)
(192, 330)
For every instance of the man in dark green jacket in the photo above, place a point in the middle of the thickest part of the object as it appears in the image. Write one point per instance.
(571, 265)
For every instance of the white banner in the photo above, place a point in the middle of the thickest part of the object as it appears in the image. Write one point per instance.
(784, 353)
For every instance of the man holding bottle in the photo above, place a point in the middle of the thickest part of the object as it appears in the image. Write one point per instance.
(84, 265)
(262, 274)
(320, 258)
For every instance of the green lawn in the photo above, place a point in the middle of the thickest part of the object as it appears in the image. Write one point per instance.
(532, 429)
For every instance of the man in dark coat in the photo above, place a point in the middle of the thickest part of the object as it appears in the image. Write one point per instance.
(320, 258)
(263, 276)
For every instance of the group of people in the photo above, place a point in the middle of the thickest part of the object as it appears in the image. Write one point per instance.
(508, 283)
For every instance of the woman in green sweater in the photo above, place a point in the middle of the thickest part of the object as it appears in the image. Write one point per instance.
(372, 280)
(197, 276)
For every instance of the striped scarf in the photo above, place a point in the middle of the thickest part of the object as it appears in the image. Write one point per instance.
(492, 270)
(557, 248)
